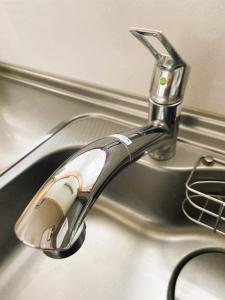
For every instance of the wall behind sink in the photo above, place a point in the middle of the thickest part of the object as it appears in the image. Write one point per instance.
(89, 40)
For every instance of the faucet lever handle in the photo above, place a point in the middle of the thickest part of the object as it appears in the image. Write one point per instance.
(170, 73)
(141, 34)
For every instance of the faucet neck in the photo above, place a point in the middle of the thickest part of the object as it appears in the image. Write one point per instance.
(167, 116)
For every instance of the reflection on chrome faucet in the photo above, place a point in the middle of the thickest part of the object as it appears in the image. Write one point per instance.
(54, 219)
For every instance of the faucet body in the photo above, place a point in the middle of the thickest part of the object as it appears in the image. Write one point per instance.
(54, 219)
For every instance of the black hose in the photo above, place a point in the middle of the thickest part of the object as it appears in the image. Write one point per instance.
(181, 265)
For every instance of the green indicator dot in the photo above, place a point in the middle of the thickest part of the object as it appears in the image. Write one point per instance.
(162, 80)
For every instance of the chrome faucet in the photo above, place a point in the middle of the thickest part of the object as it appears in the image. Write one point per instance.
(54, 219)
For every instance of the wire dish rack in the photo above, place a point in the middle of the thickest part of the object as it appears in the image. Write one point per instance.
(205, 199)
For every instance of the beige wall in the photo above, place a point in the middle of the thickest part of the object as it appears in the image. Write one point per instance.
(89, 40)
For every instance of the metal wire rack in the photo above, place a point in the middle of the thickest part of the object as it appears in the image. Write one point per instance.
(205, 199)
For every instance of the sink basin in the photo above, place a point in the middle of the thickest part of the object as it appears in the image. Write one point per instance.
(136, 231)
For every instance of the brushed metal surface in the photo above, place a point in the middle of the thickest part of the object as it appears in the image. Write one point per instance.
(26, 121)
(136, 233)
(199, 266)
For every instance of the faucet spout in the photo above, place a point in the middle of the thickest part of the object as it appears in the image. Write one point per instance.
(55, 216)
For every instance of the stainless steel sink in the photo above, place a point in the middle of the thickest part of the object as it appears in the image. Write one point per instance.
(136, 233)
